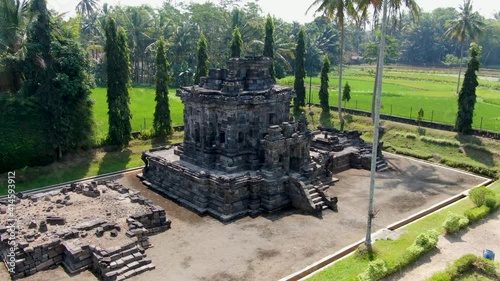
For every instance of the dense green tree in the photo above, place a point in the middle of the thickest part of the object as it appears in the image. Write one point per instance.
(202, 66)
(56, 72)
(269, 43)
(162, 122)
(323, 90)
(346, 93)
(467, 95)
(300, 73)
(468, 25)
(118, 73)
(236, 43)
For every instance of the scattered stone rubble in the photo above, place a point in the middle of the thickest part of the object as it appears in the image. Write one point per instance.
(52, 230)
(339, 151)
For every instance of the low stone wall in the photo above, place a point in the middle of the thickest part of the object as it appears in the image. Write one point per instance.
(221, 196)
(29, 260)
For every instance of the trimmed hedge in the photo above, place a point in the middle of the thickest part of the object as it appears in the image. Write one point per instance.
(465, 264)
(477, 213)
(474, 169)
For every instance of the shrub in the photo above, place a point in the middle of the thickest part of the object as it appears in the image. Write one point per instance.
(491, 202)
(464, 265)
(478, 196)
(427, 240)
(376, 269)
(410, 136)
(477, 213)
(471, 168)
(454, 222)
(443, 142)
(423, 243)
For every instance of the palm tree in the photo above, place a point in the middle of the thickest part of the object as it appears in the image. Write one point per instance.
(339, 10)
(395, 6)
(466, 26)
(15, 17)
(86, 8)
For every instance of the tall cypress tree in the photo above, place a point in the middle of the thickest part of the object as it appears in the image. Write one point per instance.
(202, 66)
(118, 73)
(162, 123)
(323, 91)
(56, 73)
(236, 43)
(269, 43)
(467, 95)
(300, 73)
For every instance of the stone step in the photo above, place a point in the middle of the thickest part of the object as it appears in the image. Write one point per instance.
(135, 271)
(382, 168)
(314, 194)
(127, 271)
(317, 199)
(322, 205)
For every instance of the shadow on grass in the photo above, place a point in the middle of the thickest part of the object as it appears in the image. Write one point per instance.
(73, 166)
(160, 141)
(474, 149)
(114, 160)
(325, 119)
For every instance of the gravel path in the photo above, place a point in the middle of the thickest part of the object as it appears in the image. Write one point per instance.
(482, 235)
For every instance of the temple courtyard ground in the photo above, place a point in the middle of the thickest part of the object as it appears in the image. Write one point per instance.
(273, 246)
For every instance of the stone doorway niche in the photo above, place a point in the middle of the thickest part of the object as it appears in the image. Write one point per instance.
(295, 158)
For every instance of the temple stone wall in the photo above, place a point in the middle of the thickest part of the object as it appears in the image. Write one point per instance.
(240, 145)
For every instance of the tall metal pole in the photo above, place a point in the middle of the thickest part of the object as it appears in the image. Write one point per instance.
(378, 96)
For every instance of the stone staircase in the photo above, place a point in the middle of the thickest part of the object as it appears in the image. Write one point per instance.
(320, 198)
(318, 201)
(123, 264)
(381, 164)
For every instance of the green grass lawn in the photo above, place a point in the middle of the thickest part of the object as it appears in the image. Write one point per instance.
(404, 92)
(142, 106)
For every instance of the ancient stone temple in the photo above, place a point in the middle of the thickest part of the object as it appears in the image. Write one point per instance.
(242, 152)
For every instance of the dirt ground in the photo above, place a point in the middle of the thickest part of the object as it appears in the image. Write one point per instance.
(270, 247)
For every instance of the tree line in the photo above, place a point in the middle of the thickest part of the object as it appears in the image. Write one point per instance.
(35, 42)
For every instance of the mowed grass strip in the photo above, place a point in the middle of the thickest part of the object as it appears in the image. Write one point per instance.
(391, 251)
(142, 107)
(404, 93)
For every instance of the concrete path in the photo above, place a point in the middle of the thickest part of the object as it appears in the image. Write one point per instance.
(482, 235)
